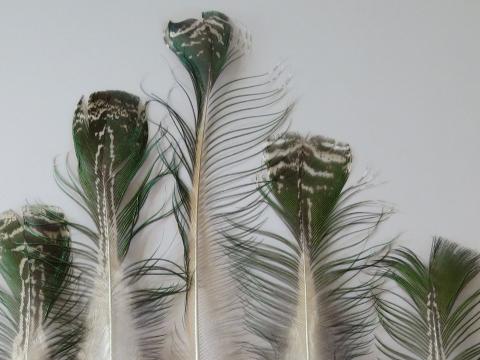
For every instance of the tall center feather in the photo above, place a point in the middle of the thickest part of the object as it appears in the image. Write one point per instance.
(229, 127)
(202, 46)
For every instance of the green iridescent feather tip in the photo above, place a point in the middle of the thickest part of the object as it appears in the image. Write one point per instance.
(35, 264)
(110, 134)
(307, 176)
(202, 46)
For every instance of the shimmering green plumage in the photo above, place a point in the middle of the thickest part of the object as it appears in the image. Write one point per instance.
(110, 134)
(308, 176)
(35, 263)
(436, 315)
(202, 46)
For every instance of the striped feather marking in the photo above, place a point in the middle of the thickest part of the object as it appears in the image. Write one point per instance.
(307, 177)
(202, 46)
(33, 253)
(434, 333)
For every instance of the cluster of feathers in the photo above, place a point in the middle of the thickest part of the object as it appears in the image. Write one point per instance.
(318, 290)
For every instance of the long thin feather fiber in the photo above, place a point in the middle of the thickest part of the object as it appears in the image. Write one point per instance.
(303, 297)
(215, 179)
(122, 317)
(38, 311)
(436, 313)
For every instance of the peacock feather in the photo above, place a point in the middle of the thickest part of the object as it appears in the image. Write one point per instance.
(216, 189)
(38, 312)
(304, 298)
(435, 315)
(123, 313)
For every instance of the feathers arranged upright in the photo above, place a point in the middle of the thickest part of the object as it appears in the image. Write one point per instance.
(110, 133)
(304, 301)
(435, 316)
(38, 313)
(215, 182)
(240, 291)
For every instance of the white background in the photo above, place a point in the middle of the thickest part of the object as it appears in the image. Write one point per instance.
(398, 80)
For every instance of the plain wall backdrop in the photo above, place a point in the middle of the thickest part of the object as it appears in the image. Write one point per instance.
(397, 79)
